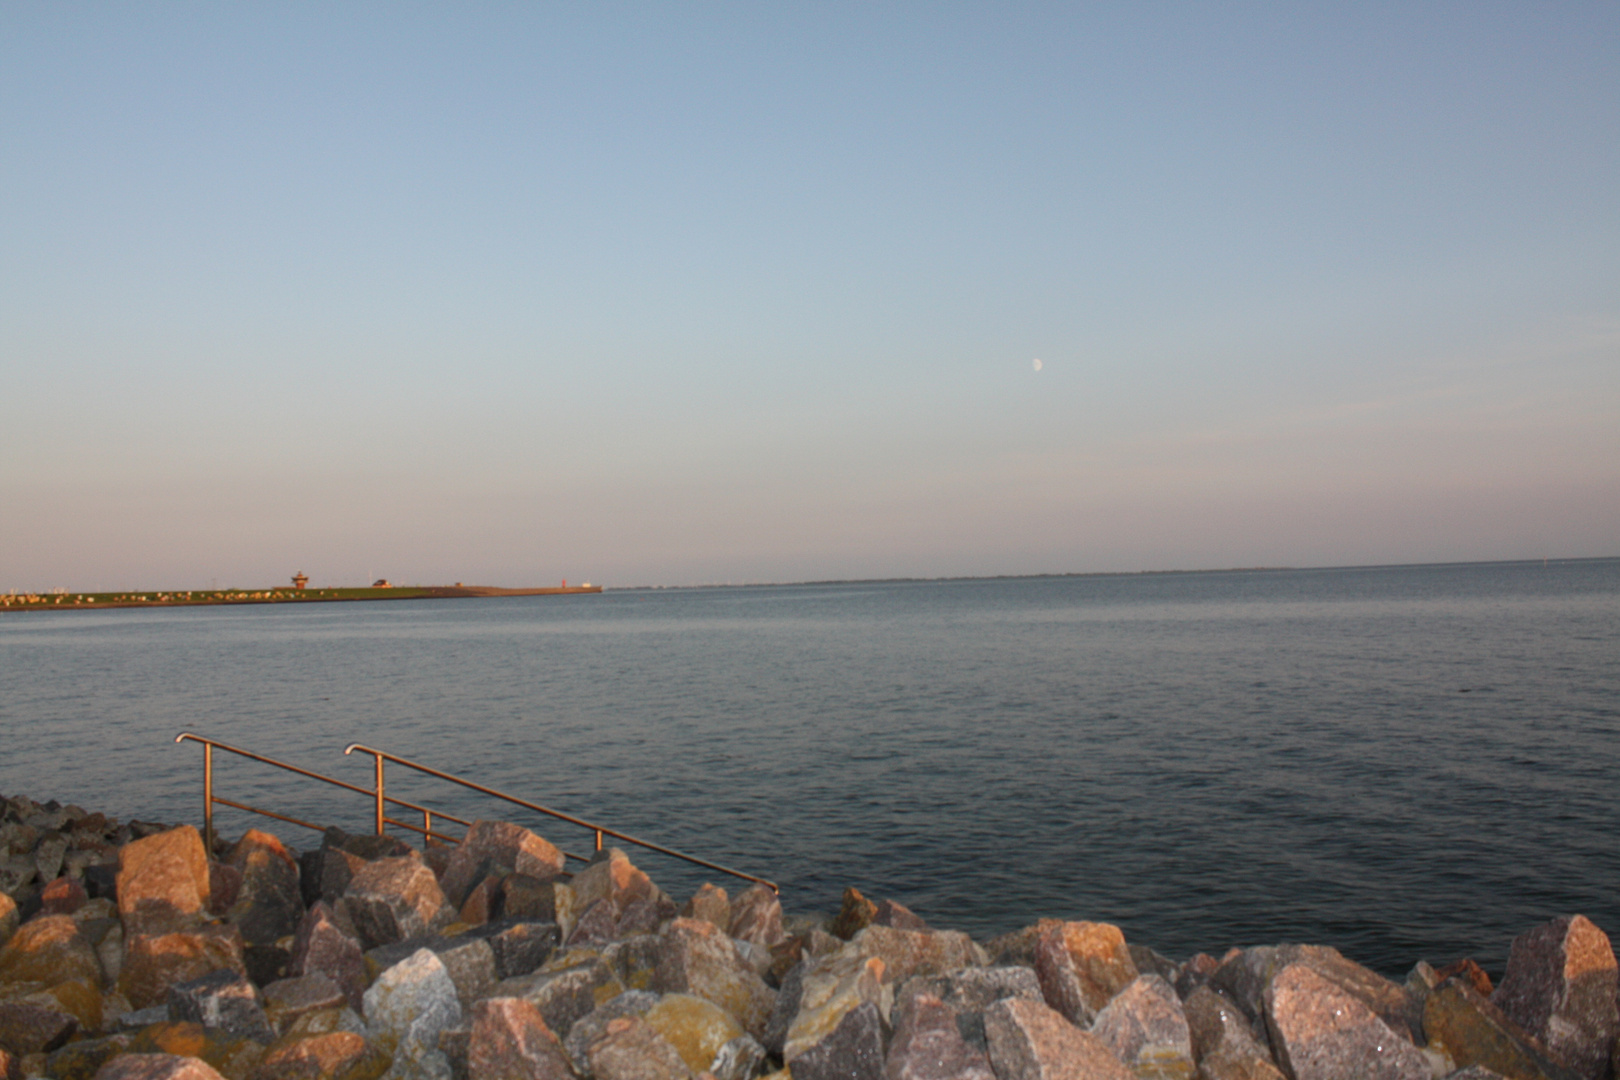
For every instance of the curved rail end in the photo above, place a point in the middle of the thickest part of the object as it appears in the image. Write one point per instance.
(352, 747)
(184, 735)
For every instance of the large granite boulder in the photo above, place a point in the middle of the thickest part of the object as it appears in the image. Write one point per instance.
(1028, 1040)
(1561, 987)
(322, 947)
(34, 1027)
(593, 1026)
(630, 1049)
(1081, 965)
(1224, 1044)
(510, 1041)
(269, 903)
(698, 1029)
(695, 957)
(711, 904)
(853, 1050)
(155, 962)
(832, 988)
(221, 999)
(49, 949)
(756, 917)
(1146, 1029)
(395, 898)
(497, 847)
(286, 1000)
(163, 881)
(928, 1044)
(1320, 1031)
(1472, 1031)
(970, 991)
(406, 1009)
(566, 988)
(906, 953)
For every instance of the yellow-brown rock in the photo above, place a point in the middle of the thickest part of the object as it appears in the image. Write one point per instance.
(162, 881)
(155, 962)
(711, 904)
(834, 987)
(1081, 965)
(338, 1055)
(49, 949)
(695, 1027)
(232, 1056)
(697, 958)
(8, 918)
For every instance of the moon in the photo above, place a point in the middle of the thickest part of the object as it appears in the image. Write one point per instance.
(1037, 364)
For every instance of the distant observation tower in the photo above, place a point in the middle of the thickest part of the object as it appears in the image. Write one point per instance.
(300, 579)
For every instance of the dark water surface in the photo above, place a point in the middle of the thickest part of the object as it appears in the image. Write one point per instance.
(1411, 762)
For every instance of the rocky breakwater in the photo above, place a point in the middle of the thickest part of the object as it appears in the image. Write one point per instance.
(131, 951)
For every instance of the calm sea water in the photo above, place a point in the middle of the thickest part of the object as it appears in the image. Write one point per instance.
(1412, 762)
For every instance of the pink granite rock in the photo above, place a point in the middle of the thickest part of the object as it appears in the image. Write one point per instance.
(1561, 987)
(1320, 1031)
(1030, 1041)
(395, 898)
(163, 881)
(155, 962)
(1081, 966)
(711, 904)
(156, 1067)
(1222, 1040)
(1146, 1029)
(631, 1050)
(510, 1041)
(928, 1045)
(492, 846)
(756, 916)
(322, 947)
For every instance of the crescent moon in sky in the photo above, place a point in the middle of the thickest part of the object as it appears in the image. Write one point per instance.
(1037, 365)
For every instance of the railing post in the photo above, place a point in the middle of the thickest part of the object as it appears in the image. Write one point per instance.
(427, 824)
(598, 839)
(208, 798)
(379, 761)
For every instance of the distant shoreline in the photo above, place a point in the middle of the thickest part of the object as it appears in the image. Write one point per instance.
(145, 598)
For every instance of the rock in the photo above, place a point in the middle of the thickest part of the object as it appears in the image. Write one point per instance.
(786, 1009)
(696, 1028)
(631, 1050)
(970, 991)
(510, 1041)
(1222, 1040)
(80, 1060)
(597, 925)
(321, 947)
(395, 898)
(906, 953)
(269, 904)
(853, 1050)
(594, 1025)
(63, 896)
(1028, 1040)
(155, 962)
(569, 991)
(1472, 1031)
(407, 1007)
(528, 898)
(710, 904)
(832, 988)
(1146, 1029)
(1244, 976)
(1320, 1031)
(163, 881)
(8, 918)
(231, 1055)
(49, 949)
(895, 914)
(1475, 1072)
(29, 1028)
(1561, 987)
(928, 1044)
(756, 916)
(156, 1067)
(1193, 974)
(489, 845)
(221, 999)
(81, 998)
(471, 964)
(324, 874)
(267, 963)
(634, 960)
(483, 902)
(740, 1059)
(224, 882)
(1081, 965)
(48, 855)
(16, 873)
(335, 1055)
(854, 916)
(11, 1066)
(696, 958)
(286, 1000)
(522, 947)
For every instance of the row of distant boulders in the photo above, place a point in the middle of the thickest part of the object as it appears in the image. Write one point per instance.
(130, 951)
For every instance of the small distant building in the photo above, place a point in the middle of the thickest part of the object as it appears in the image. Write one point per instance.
(382, 583)
(300, 579)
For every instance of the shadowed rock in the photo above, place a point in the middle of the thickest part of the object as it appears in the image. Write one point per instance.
(711, 904)
(1473, 1031)
(321, 947)
(1561, 987)
(854, 916)
(221, 999)
(497, 846)
(163, 881)
(156, 1067)
(392, 899)
(49, 949)
(269, 904)
(1224, 1044)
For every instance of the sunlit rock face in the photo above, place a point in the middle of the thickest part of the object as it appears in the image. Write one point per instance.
(1561, 987)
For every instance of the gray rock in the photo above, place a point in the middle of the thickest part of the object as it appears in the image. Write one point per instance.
(521, 947)
(406, 1009)
(322, 947)
(1321, 1031)
(756, 916)
(566, 996)
(222, 999)
(593, 1026)
(740, 1059)
(392, 899)
(269, 904)
(970, 991)
(1561, 987)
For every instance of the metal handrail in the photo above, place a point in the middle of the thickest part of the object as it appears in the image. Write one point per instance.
(380, 796)
(210, 799)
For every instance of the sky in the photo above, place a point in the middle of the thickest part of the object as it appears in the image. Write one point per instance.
(677, 294)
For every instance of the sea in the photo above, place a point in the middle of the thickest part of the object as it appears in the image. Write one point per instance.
(1405, 762)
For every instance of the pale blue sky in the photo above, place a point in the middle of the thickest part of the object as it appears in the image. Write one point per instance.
(688, 293)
